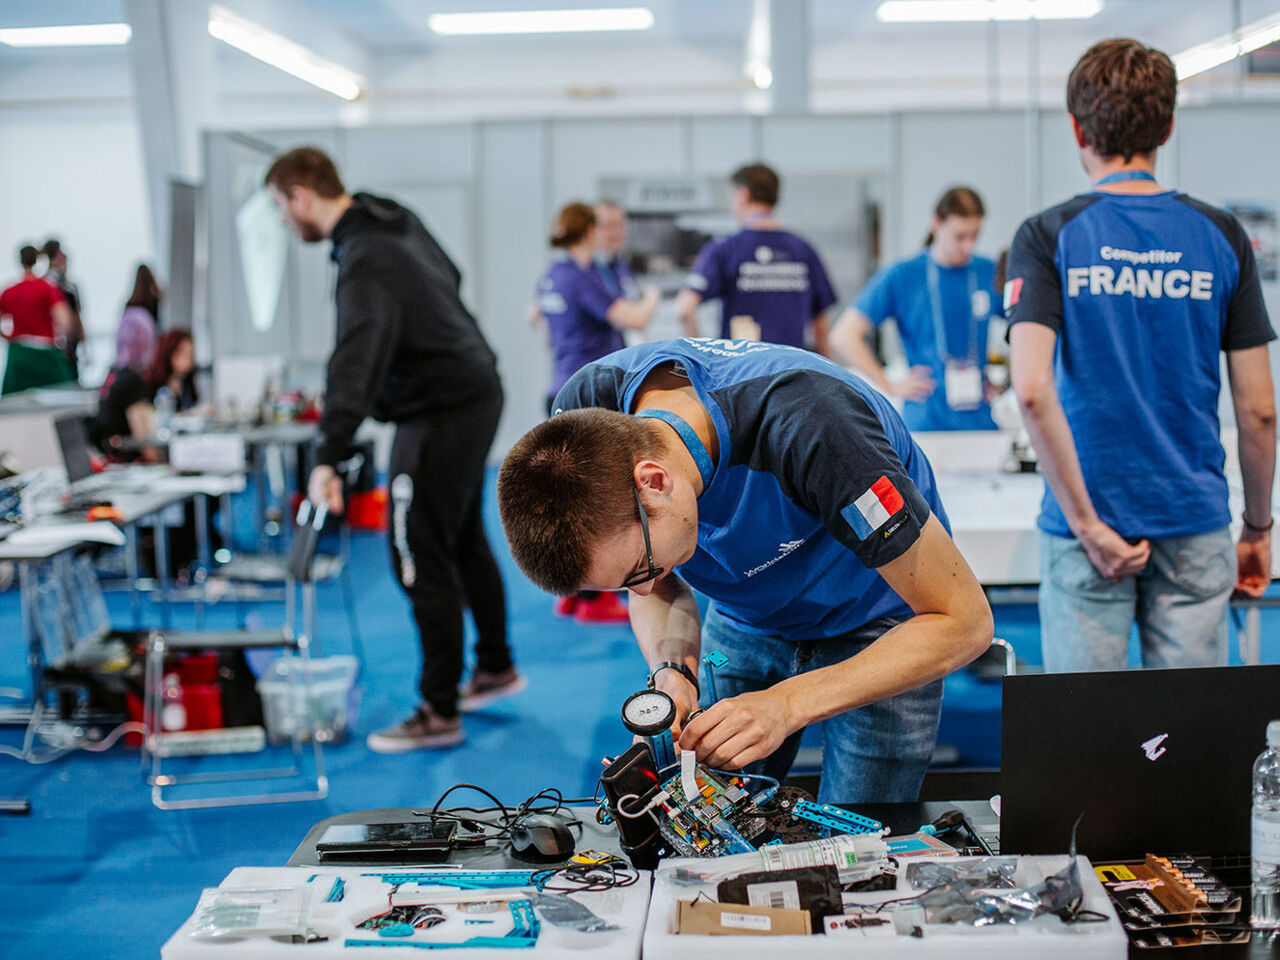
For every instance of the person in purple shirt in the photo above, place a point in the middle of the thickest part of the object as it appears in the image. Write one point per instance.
(584, 318)
(611, 240)
(771, 283)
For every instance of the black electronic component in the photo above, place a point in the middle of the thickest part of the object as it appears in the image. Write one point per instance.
(629, 782)
(414, 842)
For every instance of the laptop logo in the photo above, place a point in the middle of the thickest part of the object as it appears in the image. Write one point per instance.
(1154, 748)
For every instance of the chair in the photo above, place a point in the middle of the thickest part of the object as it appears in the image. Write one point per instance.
(268, 570)
(298, 569)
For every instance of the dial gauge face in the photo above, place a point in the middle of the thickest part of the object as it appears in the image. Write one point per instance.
(648, 712)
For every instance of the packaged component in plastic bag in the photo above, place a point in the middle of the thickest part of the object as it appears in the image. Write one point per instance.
(993, 873)
(236, 913)
(561, 910)
(855, 857)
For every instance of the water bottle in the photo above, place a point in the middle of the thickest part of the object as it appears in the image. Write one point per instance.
(1265, 914)
(165, 406)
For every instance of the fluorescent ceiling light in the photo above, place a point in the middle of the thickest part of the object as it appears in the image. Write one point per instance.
(542, 21)
(953, 11)
(283, 54)
(80, 35)
(1214, 53)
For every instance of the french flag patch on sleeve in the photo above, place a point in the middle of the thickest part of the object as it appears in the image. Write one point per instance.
(873, 509)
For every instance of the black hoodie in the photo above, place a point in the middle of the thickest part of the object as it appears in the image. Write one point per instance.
(405, 344)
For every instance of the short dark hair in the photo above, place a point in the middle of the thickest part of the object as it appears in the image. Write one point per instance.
(1122, 93)
(27, 256)
(51, 249)
(762, 183)
(572, 224)
(567, 485)
(305, 167)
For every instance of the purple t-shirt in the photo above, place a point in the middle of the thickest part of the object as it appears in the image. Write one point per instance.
(575, 302)
(771, 276)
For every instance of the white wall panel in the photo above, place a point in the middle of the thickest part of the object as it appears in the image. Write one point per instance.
(981, 150)
(583, 151)
(722, 144)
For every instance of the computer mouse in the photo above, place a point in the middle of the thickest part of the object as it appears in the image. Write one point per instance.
(541, 838)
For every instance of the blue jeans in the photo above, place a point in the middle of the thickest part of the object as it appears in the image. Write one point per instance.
(877, 753)
(1179, 601)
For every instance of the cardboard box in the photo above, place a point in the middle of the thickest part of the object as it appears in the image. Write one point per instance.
(737, 919)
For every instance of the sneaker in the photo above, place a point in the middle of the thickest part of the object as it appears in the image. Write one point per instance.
(565, 606)
(424, 730)
(484, 688)
(602, 608)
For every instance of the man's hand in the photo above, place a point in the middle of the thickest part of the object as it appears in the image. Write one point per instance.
(1112, 555)
(739, 730)
(1253, 563)
(682, 693)
(917, 385)
(325, 486)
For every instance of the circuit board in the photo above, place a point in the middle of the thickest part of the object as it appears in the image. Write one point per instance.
(720, 820)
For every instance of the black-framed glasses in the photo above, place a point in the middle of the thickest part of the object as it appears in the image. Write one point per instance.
(653, 573)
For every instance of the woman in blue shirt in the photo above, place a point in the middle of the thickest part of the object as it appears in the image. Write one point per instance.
(584, 318)
(942, 300)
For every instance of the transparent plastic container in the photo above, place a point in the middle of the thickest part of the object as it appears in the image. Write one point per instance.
(326, 703)
(1265, 913)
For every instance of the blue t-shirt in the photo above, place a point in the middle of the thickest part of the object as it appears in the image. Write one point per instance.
(817, 484)
(771, 276)
(1144, 291)
(966, 301)
(576, 302)
(617, 277)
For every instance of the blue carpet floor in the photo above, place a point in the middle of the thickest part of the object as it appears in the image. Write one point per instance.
(97, 872)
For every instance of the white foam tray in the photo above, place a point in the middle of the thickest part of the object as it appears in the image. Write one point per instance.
(367, 896)
(1041, 941)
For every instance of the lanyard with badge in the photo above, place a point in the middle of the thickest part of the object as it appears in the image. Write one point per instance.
(962, 377)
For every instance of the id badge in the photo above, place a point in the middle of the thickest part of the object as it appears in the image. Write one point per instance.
(744, 328)
(963, 385)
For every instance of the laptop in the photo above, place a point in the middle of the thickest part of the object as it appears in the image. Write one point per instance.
(1157, 761)
(73, 441)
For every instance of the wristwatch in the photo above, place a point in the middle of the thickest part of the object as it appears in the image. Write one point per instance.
(672, 665)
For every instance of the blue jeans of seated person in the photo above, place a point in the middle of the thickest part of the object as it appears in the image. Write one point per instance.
(877, 753)
(1179, 601)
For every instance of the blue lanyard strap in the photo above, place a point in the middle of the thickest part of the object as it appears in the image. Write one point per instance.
(939, 324)
(606, 272)
(1122, 176)
(701, 458)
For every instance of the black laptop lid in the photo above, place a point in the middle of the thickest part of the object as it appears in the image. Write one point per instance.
(73, 440)
(1158, 761)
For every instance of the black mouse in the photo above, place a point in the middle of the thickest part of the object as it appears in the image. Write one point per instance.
(541, 838)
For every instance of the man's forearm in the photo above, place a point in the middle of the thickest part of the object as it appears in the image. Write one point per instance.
(1257, 449)
(666, 624)
(923, 649)
(1056, 451)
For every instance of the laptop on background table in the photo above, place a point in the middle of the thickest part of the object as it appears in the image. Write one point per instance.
(1158, 761)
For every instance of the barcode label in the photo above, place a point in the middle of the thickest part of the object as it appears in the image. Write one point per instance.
(784, 895)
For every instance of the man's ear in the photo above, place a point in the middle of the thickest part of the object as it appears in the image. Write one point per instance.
(1079, 132)
(651, 475)
(1167, 134)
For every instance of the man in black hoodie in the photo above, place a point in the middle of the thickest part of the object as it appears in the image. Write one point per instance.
(407, 351)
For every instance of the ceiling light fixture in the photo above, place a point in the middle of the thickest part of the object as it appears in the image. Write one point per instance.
(542, 21)
(283, 54)
(1214, 53)
(957, 11)
(78, 35)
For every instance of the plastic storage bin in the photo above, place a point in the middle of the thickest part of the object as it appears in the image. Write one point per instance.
(326, 700)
